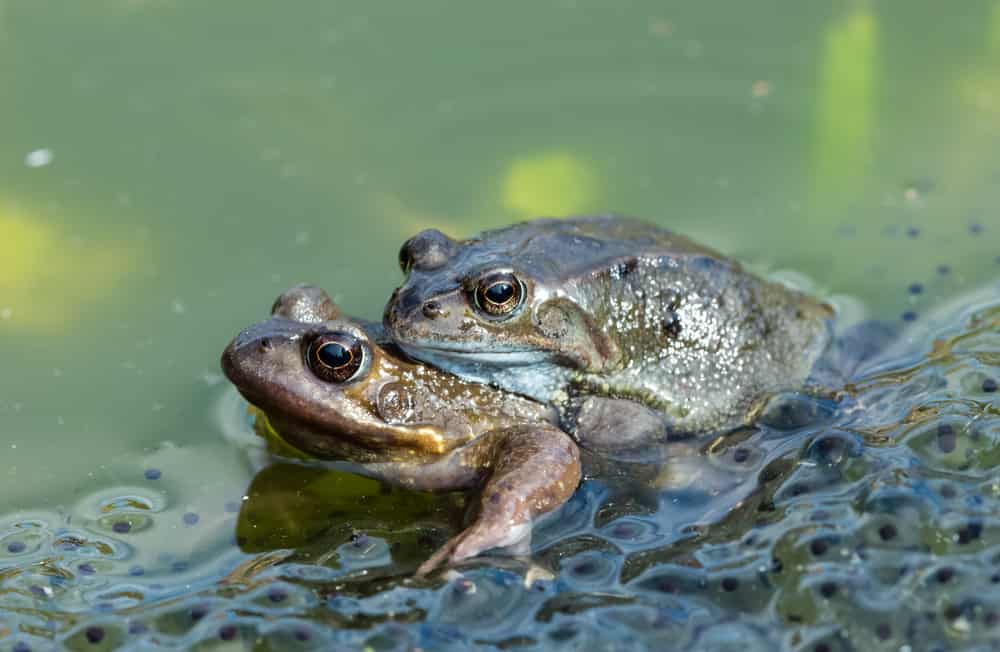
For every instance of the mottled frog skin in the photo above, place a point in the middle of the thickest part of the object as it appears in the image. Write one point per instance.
(333, 388)
(609, 318)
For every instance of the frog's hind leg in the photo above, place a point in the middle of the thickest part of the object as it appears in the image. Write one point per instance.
(532, 469)
(619, 429)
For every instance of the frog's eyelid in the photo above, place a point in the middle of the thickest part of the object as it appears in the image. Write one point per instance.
(474, 278)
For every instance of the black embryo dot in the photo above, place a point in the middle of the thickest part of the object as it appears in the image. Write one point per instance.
(94, 634)
(819, 547)
(946, 438)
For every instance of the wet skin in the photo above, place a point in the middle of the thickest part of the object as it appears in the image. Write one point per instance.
(631, 331)
(333, 389)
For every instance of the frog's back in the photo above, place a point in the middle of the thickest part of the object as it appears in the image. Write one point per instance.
(701, 339)
(567, 249)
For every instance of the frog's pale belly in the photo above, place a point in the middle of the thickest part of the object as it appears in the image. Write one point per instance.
(532, 375)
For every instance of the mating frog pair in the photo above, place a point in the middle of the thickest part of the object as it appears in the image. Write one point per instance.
(605, 332)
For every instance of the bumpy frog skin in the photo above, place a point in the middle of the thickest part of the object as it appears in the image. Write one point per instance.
(331, 389)
(583, 312)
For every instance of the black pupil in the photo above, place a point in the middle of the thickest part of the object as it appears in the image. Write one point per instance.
(334, 355)
(500, 292)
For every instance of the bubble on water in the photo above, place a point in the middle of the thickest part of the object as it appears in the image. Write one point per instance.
(38, 158)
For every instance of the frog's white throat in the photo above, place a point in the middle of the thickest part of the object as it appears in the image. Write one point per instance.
(529, 373)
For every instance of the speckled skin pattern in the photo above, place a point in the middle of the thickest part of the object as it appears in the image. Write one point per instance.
(406, 423)
(612, 308)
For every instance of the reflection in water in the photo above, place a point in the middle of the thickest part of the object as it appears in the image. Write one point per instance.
(550, 184)
(48, 274)
(845, 110)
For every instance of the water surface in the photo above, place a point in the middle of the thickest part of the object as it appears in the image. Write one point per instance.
(168, 167)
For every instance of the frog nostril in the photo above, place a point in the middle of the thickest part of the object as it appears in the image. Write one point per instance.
(432, 310)
(265, 345)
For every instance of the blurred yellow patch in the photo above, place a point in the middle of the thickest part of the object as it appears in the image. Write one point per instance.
(551, 184)
(409, 220)
(995, 27)
(48, 276)
(276, 444)
(980, 89)
(846, 108)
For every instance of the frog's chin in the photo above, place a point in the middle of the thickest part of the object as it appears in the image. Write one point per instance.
(531, 373)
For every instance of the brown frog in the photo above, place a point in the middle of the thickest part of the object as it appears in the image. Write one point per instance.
(335, 389)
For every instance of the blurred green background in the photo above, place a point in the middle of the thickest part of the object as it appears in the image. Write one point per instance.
(167, 167)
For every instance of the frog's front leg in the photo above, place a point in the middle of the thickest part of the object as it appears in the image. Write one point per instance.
(529, 470)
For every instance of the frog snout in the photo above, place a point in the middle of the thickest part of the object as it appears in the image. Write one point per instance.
(265, 345)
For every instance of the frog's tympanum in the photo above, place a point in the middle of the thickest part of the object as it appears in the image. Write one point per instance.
(334, 388)
(609, 318)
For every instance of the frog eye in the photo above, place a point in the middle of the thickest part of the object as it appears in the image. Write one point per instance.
(335, 357)
(499, 295)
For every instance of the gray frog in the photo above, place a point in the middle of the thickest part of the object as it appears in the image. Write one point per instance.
(635, 333)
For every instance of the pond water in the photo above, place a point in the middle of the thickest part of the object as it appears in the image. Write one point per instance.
(168, 167)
